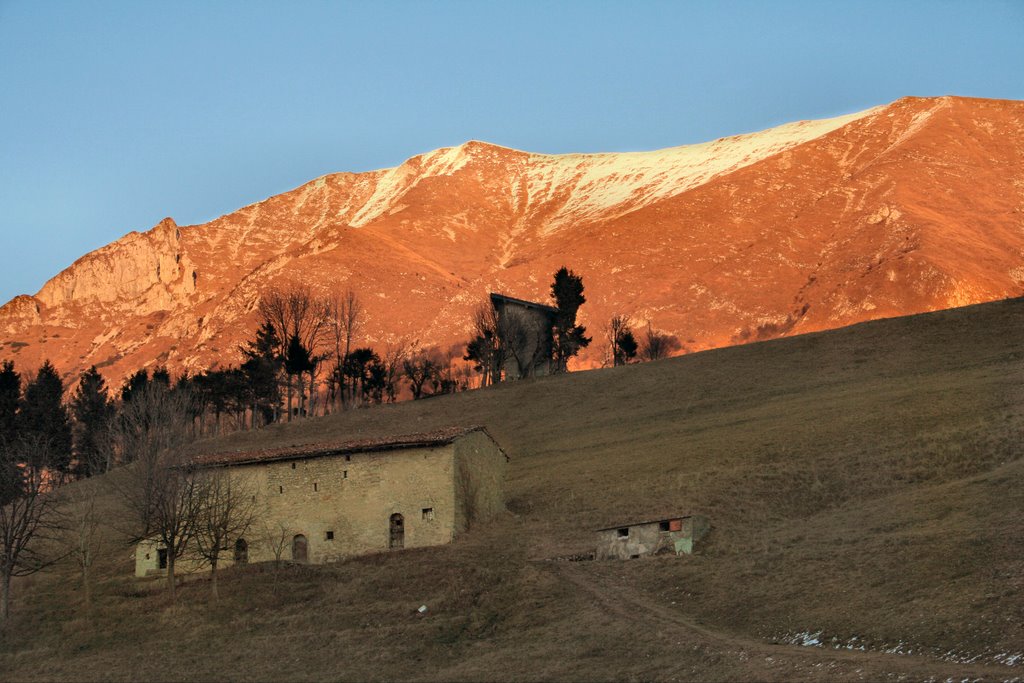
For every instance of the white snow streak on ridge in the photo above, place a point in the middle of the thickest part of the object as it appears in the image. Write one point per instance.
(599, 182)
(397, 181)
(592, 184)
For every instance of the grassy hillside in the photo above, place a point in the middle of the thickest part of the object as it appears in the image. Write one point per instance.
(863, 485)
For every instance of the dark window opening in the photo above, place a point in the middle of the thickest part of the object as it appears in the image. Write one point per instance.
(280, 489)
(663, 526)
(241, 551)
(348, 458)
(315, 486)
(344, 474)
(162, 557)
(623, 532)
(293, 466)
(428, 513)
(329, 536)
(634, 557)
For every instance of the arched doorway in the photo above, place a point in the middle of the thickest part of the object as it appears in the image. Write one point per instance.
(397, 535)
(300, 549)
(241, 551)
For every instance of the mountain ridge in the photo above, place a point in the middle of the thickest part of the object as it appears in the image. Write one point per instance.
(810, 225)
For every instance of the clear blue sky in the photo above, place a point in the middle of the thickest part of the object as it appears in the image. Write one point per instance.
(116, 114)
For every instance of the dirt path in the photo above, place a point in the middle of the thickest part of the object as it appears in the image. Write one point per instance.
(764, 659)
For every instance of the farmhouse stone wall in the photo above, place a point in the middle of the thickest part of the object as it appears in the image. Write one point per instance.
(343, 504)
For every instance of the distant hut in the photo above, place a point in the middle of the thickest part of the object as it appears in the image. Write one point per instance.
(676, 535)
(531, 349)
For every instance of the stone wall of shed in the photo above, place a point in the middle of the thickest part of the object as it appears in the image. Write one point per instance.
(479, 479)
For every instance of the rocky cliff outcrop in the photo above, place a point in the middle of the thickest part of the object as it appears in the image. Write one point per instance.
(904, 208)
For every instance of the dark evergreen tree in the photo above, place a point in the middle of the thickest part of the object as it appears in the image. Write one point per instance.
(627, 347)
(357, 369)
(162, 377)
(260, 370)
(10, 398)
(376, 385)
(93, 411)
(298, 361)
(569, 338)
(43, 417)
(134, 385)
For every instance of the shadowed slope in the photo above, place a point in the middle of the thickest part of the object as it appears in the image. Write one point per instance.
(862, 483)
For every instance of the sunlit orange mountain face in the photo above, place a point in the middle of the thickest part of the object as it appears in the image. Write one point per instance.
(900, 209)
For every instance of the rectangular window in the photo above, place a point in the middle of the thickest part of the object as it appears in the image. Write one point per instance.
(663, 526)
(315, 486)
(623, 532)
(428, 513)
(344, 474)
(280, 489)
(348, 458)
(162, 555)
(293, 466)
(329, 536)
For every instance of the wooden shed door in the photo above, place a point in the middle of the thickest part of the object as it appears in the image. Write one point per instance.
(300, 549)
(397, 531)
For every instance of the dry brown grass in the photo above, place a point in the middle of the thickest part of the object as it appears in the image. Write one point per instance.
(862, 483)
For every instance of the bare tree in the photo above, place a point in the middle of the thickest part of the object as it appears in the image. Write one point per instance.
(226, 510)
(297, 313)
(276, 538)
(85, 532)
(420, 367)
(484, 350)
(160, 494)
(523, 338)
(656, 345)
(29, 512)
(345, 314)
(394, 363)
(622, 346)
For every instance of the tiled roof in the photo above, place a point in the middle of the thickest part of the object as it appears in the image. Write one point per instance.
(440, 437)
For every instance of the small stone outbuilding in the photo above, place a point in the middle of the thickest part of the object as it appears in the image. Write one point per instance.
(674, 535)
(323, 502)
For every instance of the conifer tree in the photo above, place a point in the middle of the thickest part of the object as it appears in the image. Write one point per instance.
(10, 397)
(134, 385)
(93, 411)
(260, 369)
(298, 361)
(569, 338)
(44, 418)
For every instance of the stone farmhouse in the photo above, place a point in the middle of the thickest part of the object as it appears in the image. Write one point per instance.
(676, 535)
(532, 355)
(320, 503)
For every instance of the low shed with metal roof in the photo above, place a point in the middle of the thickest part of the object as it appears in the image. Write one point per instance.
(672, 535)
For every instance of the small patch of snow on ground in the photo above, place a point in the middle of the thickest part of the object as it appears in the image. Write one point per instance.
(818, 639)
